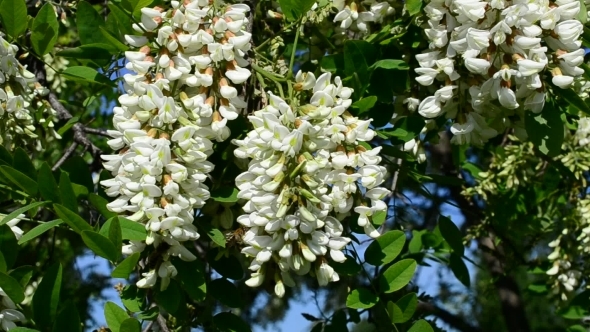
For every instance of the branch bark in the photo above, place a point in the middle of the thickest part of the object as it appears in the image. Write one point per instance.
(447, 317)
(509, 294)
(80, 137)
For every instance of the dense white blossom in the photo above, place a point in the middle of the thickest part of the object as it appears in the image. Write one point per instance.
(180, 95)
(307, 172)
(486, 61)
(20, 98)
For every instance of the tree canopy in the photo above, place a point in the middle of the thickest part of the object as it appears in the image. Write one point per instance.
(220, 155)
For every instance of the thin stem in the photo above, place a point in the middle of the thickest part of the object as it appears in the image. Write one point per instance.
(3, 186)
(259, 47)
(69, 151)
(271, 76)
(292, 62)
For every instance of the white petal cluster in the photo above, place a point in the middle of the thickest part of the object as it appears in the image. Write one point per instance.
(20, 98)
(565, 278)
(13, 224)
(487, 59)
(356, 15)
(307, 172)
(179, 98)
(9, 316)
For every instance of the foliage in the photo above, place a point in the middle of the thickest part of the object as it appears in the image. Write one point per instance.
(211, 150)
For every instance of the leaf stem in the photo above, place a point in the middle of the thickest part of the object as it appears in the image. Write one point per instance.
(292, 62)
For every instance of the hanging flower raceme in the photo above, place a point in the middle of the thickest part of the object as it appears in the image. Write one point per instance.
(20, 98)
(178, 100)
(307, 172)
(488, 59)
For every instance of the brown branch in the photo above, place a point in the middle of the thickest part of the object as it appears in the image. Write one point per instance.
(97, 131)
(80, 138)
(511, 302)
(162, 323)
(70, 150)
(447, 317)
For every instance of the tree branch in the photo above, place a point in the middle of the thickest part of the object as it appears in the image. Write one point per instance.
(65, 156)
(80, 138)
(447, 317)
(510, 298)
(162, 323)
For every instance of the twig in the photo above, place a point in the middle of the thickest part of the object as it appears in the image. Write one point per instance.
(162, 323)
(80, 137)
(149, 326)
(70, 150)
(97, 131)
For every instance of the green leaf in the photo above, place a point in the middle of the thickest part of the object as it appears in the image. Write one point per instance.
(22, 210)
(364, 104)
(394, 311)
(79, 172)
(98, 53)
(89, 21)
(225, 195)
(5, 156)
(192, 279)
(23, 329)
(47, 185)
(44, 227)
(413, 6)
(71, 121)
(100, 245)
(294, 9)
(572, 98)
(46, 297)
(113, 40)
(45, 30)
(170, 298)
(227, 266)
(115, 235)
(66, 192)
(225, 292)
(130, 325)
(135, 6)
(122, 18)
(150, 314)
(23, 163)
(214, 234)
(460, 269)
(349, 267)
(126, 267)
(71, 218)
(361, 298)
(12, 288)
(385, 248)
(133, 298)
(8, 246)
(131, 230)
(228, 322)
(14, 16)
(68, 319)
(24, 182)
(358, 56)
(22, 274)
(101, 205)
(391, 64)
(114, 316)
(577, 308)
(407, 306)
(421, 326)
(451, 234)
(397, 276)
(86, 74)
(412, 125)
(545, 129)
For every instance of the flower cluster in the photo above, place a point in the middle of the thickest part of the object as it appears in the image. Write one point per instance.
(357, 15)
(20, 99)
(307, 172)
(178, 100)
(487, 61)
(9, 316)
